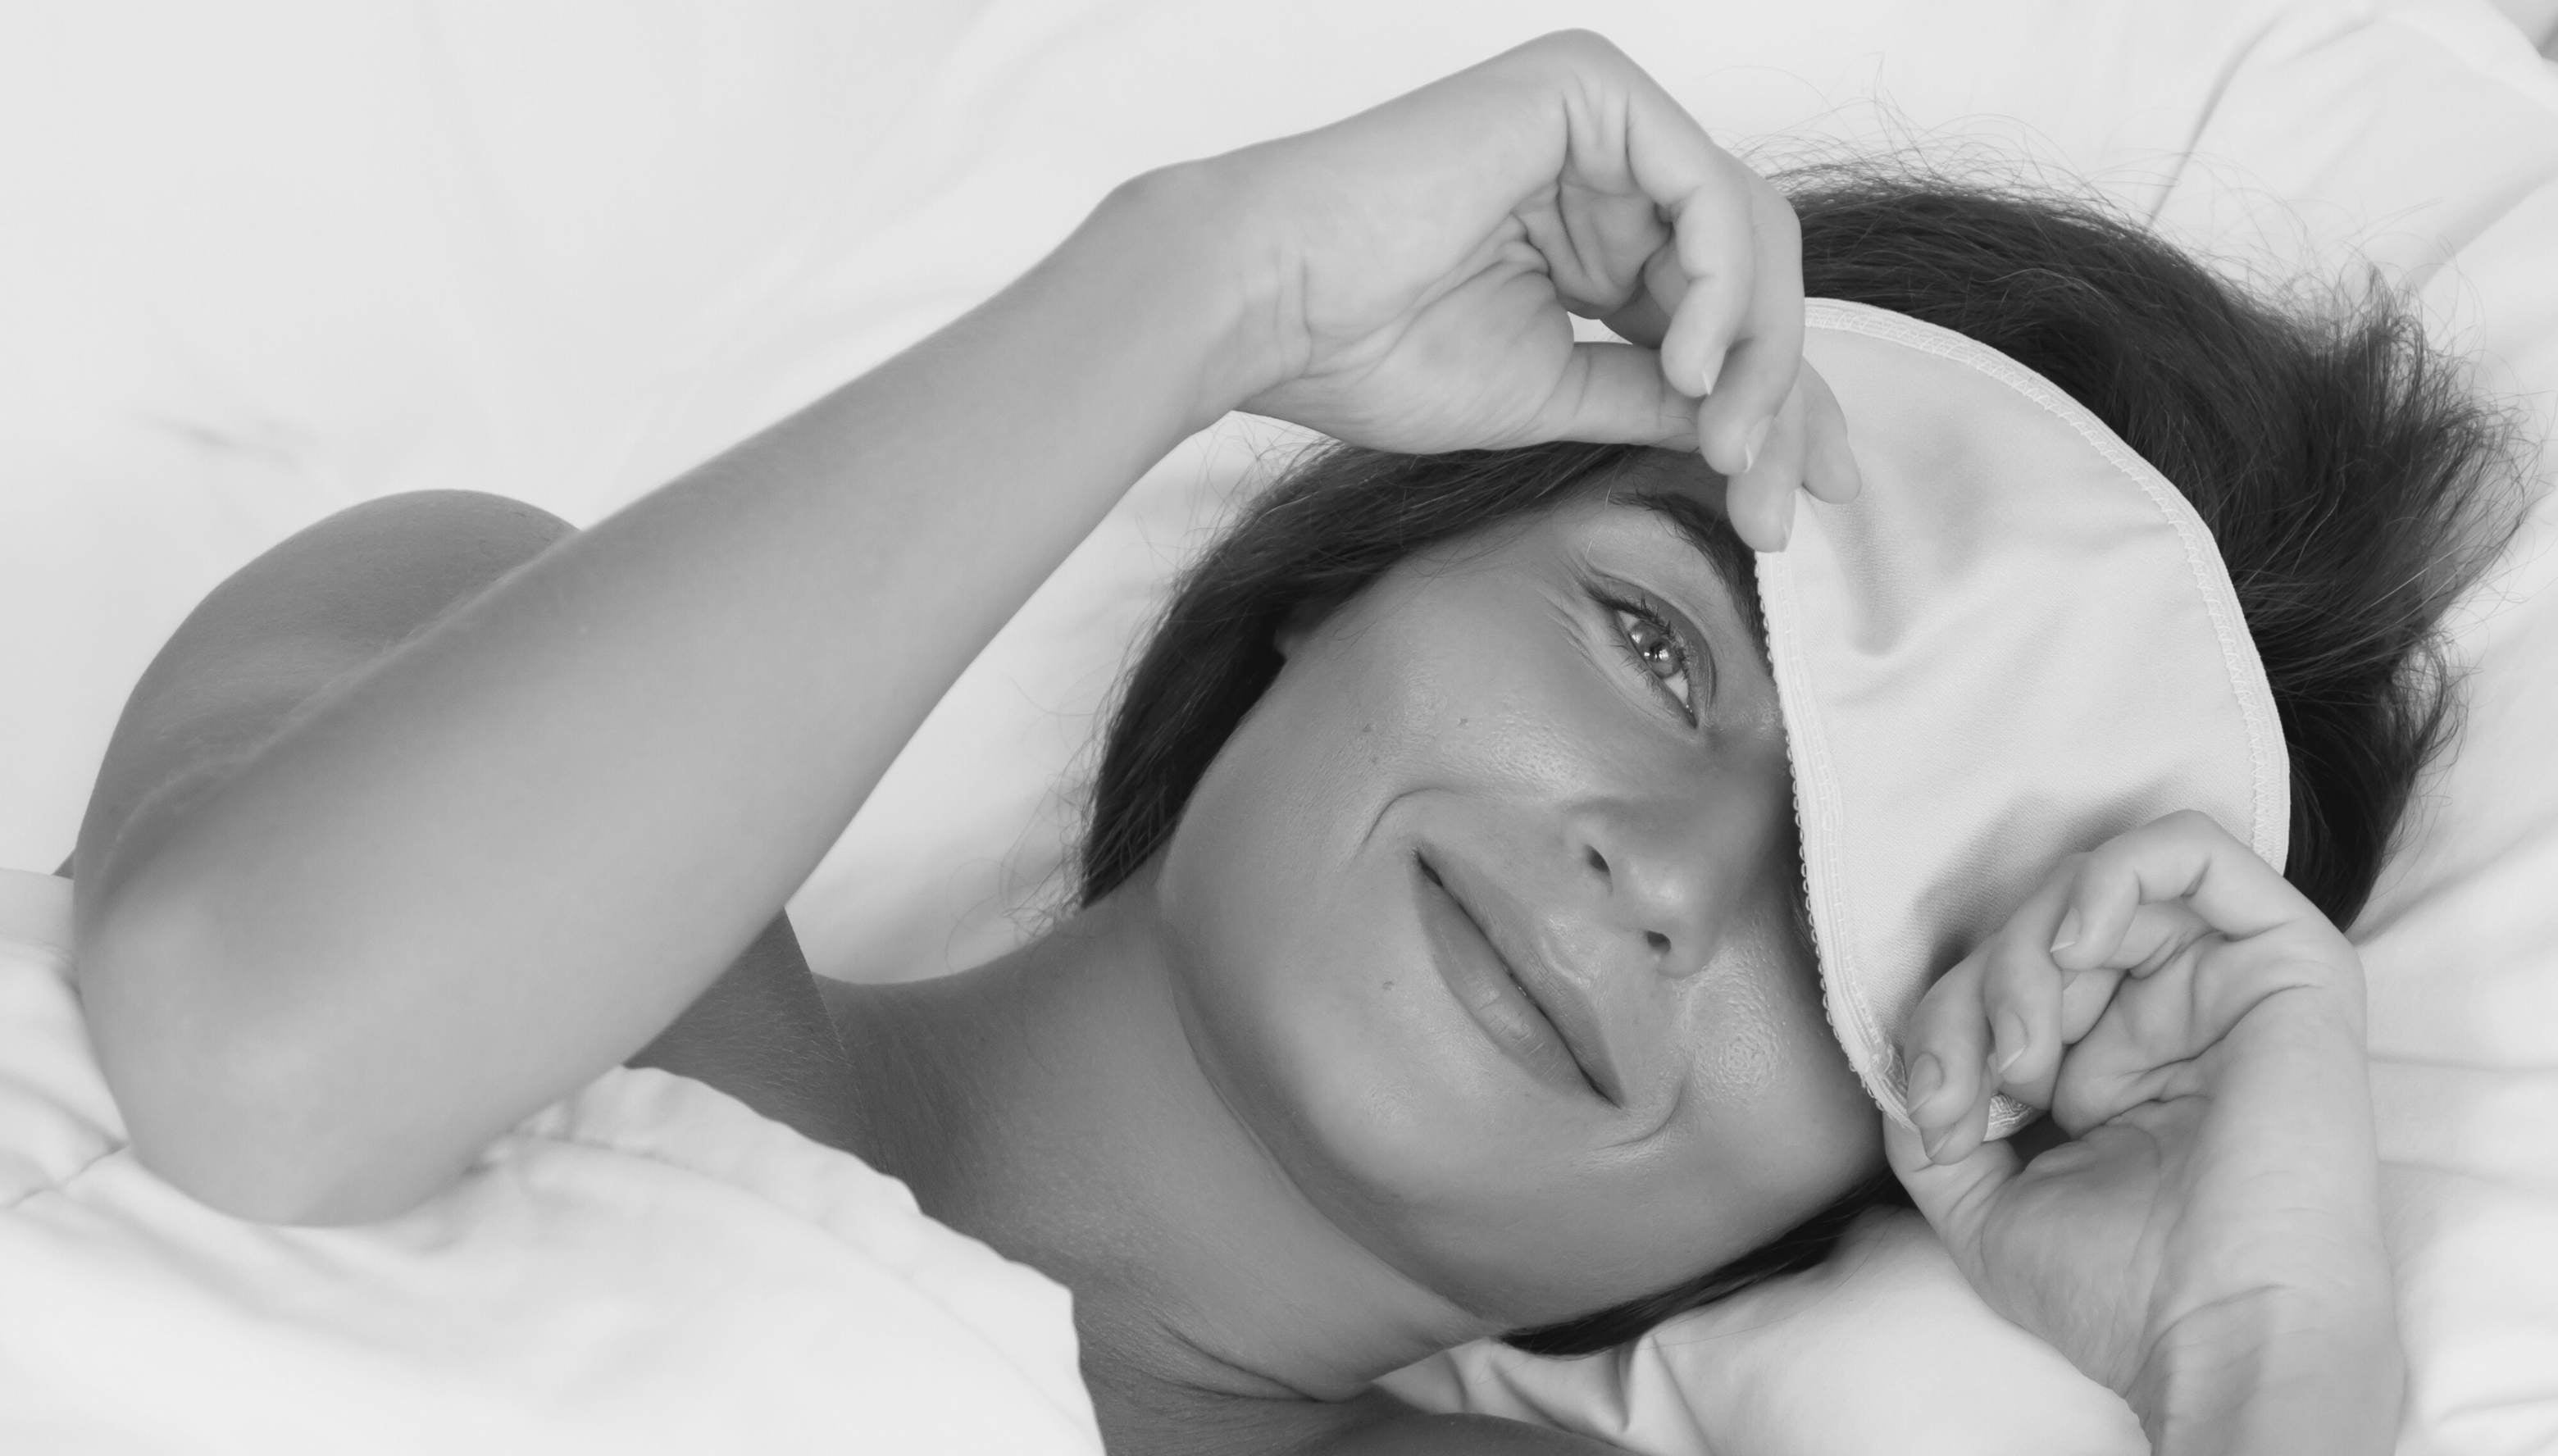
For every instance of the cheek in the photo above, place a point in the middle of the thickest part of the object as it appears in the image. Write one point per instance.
(1302, 973)
(1291, 924)
(1774, 1078)
(1792, 1126)
(1408, 693)
(1760, 1029)
(1744, 1056)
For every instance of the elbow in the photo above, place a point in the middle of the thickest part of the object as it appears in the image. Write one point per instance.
(222, 1107)
(222, 1142)
(245, 1178)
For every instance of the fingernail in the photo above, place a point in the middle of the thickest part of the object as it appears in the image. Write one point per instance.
(1926, 1076)
(2067, 934)
(1750, 444)
(2011, 1039)
(1712, 371)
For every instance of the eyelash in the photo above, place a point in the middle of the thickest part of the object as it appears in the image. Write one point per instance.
(1651, 613)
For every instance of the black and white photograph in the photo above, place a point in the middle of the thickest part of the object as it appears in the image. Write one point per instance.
(1279, 727)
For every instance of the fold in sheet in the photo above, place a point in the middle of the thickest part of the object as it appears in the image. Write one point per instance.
(648, 1265)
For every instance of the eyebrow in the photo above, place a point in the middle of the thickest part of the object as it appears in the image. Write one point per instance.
(1727, 557)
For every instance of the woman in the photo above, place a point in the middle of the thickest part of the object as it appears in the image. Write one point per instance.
(325, 953)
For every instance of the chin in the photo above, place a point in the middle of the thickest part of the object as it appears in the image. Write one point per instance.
(1439, 1168)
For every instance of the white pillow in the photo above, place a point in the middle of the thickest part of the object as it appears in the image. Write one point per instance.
(562, 253)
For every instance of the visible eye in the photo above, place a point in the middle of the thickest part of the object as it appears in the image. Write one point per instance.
(1656, 652)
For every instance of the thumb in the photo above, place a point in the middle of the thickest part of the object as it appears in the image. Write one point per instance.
(1956, 1197)
(1613, 394)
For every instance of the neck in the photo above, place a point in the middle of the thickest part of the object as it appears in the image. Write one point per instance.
(1051, 1104)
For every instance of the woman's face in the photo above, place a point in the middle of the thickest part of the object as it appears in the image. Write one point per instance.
(1483, 917)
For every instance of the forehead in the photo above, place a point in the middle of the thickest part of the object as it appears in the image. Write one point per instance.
(1673, 472)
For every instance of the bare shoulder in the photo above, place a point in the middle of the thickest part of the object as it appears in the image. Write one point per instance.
(335, 597)
(321, 603)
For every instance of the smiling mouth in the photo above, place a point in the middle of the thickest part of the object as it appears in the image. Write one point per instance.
(1488, 985)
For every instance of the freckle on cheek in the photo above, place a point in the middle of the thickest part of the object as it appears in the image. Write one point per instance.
(1740, 1030)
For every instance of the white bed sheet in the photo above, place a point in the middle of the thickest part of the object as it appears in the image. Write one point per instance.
(272, 259)
(646, 1266)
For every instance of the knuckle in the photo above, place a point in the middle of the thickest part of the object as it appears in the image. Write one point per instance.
(2191, 823)
(2085, 877)
(2010, 951)
(1582, 45)
(1779, 218)
(2071, 876)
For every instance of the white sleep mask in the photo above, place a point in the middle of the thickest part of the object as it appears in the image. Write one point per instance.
(2018, 642)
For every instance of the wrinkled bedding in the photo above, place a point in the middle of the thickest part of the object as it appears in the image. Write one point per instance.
(646, 1266)
(414, 266)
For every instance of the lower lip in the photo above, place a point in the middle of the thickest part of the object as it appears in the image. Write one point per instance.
(1480, 981)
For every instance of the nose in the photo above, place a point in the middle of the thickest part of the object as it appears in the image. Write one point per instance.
(1676, 868)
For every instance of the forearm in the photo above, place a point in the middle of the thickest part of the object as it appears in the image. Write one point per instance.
(511, 852)
(2312, 1385)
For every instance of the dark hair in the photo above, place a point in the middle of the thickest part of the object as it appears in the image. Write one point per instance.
(2343, 466)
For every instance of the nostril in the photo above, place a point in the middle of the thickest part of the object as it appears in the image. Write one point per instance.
(1659, 942)
(1597, 860)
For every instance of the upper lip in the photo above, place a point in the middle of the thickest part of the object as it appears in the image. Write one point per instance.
(1505, 923)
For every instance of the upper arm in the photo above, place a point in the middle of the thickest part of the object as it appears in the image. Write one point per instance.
(315, 611)
(315, 608)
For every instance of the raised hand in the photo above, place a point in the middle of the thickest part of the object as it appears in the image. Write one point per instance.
(2211, 1223)
(1418, 265)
